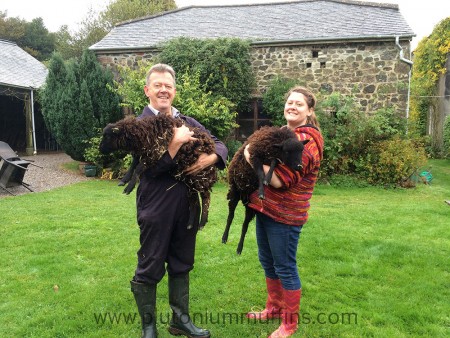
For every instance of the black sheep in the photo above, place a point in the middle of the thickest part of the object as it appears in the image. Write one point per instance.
(148, 139)
(268, 145)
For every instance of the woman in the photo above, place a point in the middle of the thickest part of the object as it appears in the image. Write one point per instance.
(282, 214)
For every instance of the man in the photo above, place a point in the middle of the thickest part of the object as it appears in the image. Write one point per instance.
(163, 214)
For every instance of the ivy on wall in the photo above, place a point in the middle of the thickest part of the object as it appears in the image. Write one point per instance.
(429, 64)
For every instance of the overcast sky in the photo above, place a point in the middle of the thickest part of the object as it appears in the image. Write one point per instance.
(421, 15)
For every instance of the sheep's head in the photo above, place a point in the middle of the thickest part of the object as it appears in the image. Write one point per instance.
(110, 139)
(291, 152)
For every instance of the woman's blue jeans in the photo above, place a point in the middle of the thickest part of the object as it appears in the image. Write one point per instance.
(277, 250)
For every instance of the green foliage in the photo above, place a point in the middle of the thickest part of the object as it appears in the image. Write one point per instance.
(429, 64)
(225, 65)
(130, 86)
(355, 143)
(395, 162)
(33, 37)
(274, 99)
(75, 102)
(214, 112)
(116, 161)
(122, 10)
(193, 99)
(447, 137)
(95, 26)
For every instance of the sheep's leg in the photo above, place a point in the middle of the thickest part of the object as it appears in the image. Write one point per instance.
(233, 198)
(129, 174)
(194, 211)
(258, 167)
(249, 215)
(206, 200)
(269, 174)
(140, 168)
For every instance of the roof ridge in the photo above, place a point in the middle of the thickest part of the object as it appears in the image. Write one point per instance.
(8, 42)
(349, 2)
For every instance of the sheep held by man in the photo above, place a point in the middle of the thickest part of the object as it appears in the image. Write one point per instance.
(270, 146)
(148, 139)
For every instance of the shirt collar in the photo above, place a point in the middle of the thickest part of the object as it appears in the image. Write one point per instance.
(175, 111)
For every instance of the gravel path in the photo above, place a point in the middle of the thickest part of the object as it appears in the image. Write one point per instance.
(51, 176)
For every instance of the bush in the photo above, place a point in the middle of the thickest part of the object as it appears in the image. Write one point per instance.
(193, 99)
(365, 146)
(130, 87)
(75, 102)
(274, 99)
(447, 137)
(224, 64)
(216, 113)
(395, 162)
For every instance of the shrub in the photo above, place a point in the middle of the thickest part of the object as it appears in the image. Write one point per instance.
(130, 86)
(193, 99)
(75, 101)
(395, 162)
(225, 65)
(447, 137)
(116, 161)
(274, 99)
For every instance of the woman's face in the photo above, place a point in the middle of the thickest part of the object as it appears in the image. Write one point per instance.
(296, 110)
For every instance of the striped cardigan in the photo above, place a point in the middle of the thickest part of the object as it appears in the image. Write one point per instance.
(290, 203)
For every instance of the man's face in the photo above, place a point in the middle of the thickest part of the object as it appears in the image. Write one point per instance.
(161, 90)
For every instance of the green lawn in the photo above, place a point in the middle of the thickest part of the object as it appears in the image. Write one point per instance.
(373, 263)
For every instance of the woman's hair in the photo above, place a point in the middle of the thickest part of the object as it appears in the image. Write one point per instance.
(160, 68)
(310, 101)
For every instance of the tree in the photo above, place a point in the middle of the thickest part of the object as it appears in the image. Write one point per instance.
(225, 65)
(76, 102)
(12, 29)
(95, 26)
(124, 10)
(37, 40)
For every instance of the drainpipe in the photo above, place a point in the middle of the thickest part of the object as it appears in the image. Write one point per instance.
(32, 120)
(410, 64)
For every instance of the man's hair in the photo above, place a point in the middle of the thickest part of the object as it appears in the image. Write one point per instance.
(160, 68)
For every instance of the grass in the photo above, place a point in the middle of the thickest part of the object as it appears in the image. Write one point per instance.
(373, 263)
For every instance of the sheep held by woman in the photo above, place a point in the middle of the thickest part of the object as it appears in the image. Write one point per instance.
(148, 139)
(270, 146)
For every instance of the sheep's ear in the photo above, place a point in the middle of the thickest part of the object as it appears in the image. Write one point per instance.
(115, 130)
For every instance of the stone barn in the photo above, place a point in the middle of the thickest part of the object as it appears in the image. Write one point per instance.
(351, 47)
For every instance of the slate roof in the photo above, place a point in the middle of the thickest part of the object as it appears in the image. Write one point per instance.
(302, 20)
(18, 68)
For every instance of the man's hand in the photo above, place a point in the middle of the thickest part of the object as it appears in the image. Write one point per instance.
(181, 135)
(204, 160)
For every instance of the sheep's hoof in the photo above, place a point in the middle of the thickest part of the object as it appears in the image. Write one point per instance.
(190, 226)
(265, 182)
(121, 183)
(262, 197)
(224, 240)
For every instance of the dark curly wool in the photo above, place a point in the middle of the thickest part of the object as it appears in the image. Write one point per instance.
(148, 139)
(268, 145)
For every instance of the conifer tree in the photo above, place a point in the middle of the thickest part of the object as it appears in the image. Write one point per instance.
(76, 102)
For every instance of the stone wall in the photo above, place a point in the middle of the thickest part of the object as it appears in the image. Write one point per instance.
(371, 71)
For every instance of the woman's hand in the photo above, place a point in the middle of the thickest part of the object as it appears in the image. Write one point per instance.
(247, 153)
